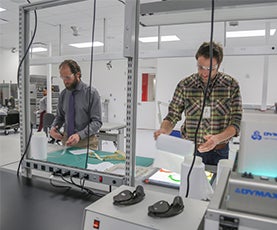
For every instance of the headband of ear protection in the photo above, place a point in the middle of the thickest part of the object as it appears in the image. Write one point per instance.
(163, 209)
(127, 197)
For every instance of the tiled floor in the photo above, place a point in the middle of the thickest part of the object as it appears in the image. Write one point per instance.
(9, 148)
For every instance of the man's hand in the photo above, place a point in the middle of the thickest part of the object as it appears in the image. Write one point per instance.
(73, 139)
(166, 128)
(211, 142)
(159, 132)
(55, 133)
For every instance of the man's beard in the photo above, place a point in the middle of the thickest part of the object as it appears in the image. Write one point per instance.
(72, 85)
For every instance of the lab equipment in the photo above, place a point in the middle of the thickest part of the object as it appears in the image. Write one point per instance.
(163, 209)
(127, 197)
(247, 198)
(200, 188)
(175, 145)
(258, 144)
(252, 194)
(39, 146)
(9, 120)
(103, 214)
(242, 203)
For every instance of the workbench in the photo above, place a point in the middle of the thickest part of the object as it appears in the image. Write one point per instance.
(34, 204)
(134, 217)
(112, 132)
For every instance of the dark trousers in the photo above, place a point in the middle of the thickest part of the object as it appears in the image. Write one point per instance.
(41, 120)
(212, 157)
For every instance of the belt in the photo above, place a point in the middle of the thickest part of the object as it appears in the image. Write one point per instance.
(220, 146)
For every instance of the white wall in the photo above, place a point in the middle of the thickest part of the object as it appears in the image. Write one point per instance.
(248, 70)
(111, 84)
(8, 66)
(272, 81)
(169, 72)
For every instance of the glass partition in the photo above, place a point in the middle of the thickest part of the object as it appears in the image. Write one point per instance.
(62, 28)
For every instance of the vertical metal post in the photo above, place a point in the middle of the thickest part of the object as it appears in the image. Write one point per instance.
(49, 81)
(266, 66)
(24, 72)
(24, 82)
(224, 31)
(131, 31)
(60, 41)
(104, 36)
(159, 37)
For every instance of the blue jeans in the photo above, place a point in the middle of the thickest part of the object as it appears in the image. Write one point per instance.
(212, 157)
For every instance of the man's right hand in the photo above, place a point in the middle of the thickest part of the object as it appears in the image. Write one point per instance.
(166, 128)
(55, 133)
(159, 132)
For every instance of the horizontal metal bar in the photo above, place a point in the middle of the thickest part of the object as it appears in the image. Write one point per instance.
(47, 4)
(235, 51)
(90, 175)
(177, 5)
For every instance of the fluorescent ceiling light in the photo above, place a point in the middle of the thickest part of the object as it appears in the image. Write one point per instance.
(248, 33)
(38, 49)
(86, 44)
(168, 38)
(2, 9)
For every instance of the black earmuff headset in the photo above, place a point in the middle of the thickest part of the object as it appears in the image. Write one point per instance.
(164, 209)
(127, 197)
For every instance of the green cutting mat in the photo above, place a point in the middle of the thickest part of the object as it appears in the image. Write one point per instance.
(69, 159)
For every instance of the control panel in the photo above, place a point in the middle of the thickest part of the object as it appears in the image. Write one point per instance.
(252, 194)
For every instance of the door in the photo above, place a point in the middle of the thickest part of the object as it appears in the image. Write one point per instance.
(146, 110)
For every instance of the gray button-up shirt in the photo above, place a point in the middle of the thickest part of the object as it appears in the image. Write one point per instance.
(82, 110)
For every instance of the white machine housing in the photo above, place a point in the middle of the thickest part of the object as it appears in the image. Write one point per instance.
(258, 144)
(102, 214)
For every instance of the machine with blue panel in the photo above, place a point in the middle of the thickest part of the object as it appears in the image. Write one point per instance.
(247, 198)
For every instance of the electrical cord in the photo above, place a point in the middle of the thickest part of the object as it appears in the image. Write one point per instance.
(122, 2)
(71, 182)
(58, 186)
(204, 99)
(18, 70)
(25, 152)
(90, 78)
(89, 191)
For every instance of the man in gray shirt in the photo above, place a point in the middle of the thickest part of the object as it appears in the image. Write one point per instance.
(87, 109)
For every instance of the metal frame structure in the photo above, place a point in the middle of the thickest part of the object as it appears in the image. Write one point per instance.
(190, 11)
(133, 11)
(131, 30)
(134, 14)
(24, 106)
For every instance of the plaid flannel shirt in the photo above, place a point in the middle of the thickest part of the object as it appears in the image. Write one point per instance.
(223, 98)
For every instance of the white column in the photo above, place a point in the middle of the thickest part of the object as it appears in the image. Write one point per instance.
(49, 81)
(266, 66)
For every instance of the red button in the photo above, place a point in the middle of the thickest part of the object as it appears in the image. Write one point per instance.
(96, 224)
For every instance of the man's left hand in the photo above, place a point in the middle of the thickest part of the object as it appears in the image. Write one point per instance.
(211, 142)
(73, 140)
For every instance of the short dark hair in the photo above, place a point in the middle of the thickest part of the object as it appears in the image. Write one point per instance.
(73, 65)
(204, 50)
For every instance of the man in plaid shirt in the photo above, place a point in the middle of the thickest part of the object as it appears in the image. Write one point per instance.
(223, 108)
